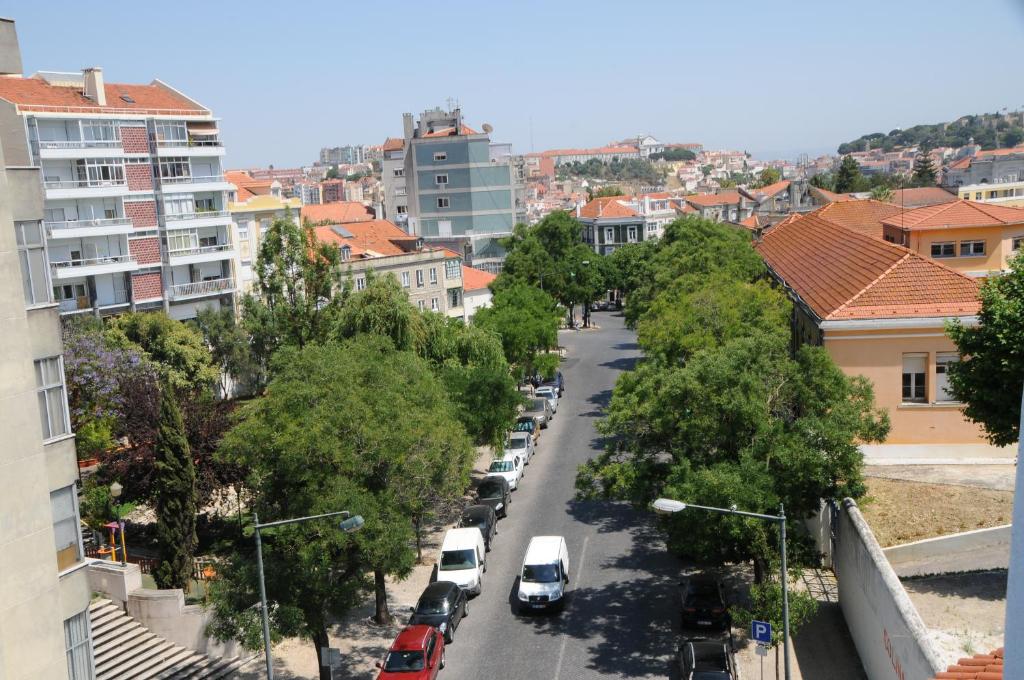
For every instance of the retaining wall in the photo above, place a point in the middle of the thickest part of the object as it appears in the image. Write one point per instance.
(966, 551)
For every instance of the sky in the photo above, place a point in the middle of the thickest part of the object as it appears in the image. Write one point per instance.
(773, 78)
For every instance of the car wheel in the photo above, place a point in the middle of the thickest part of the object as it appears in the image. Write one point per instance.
(449, 636)
(465, 608)
(441, 665)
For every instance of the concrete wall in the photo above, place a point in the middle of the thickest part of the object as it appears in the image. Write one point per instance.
(966, 551)
(165, 613)
(113, 580)
(891, 639)
(1014, 629)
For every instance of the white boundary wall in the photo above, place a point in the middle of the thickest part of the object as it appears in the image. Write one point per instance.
(966, 551)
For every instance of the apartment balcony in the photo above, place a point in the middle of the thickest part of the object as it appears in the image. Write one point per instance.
(220, 251)
(104, 305)
(79, 148)
(85, 228)
(84, 188)
(200, 218)
(93, 266)
(196, 289)
(196, 146)
(195, 183)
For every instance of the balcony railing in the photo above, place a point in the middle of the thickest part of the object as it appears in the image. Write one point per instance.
(81, 144)
(188, 142)
(192, 180)
(79, 224)
(197, 215)
(202, 250)
(91, 261)
(83, 183)
(201, 287)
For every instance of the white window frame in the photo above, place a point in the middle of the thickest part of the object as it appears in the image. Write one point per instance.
(399, 172)
(441, 180)
(419, 278)
(609, 235)
(360, 283)
(1016, 243)
(942, 362)
(405, 280)
(32, 277)
(70, 522)
(422, 307)
(434, 304)
(433, 275)
(942, 246)
(631, 234)
(78, 647)
(914, 377)
(440, 156)
(453, 269)
(443, 202)
(970, 245)
(44, 391)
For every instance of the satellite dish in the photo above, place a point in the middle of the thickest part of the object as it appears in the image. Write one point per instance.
(488, 129)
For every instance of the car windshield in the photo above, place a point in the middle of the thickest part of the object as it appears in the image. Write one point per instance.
(502, 466)
(545, 391)
(703, 594)
(454, 560)
(403, 662)
(489, 490)
(432, 607)
(537, 405)
(711, 675)
(540, 573)
(524, 426)
(516, 443)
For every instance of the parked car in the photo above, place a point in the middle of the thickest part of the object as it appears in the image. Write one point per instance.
(705, 660)
(540, 410)
(559, 381)
(463, 559)
(483, 518)
(510, 467)
(545, 575)
(527, 424)
(416, 654)
(495, 492)
(549, 392)
(703, 604)
(520, 444)
(442, 605)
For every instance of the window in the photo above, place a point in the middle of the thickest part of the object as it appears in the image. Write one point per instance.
(71, 291)
(442, 202)
(171, 131)
(78, 647)
(942, 363)
(977, 196)
(97, 172)
(972, 248)
(175, 168)
(65, 527)
(405, 279)
(98, 131)
(440, 156)
(53, 407)
(178, 241)
(452, 269)
(609, 235)
(444, 227)
(455, 297)
(433, 304)
(1017, 243)
(360, 283)
(400, 209)
(179, 205)
(914, 369)
(205, 205)
(433, 275)
(419, 278)
(208, 241)
(35, 272)
(346, 253)
(945, 249)
(419, 303)
(441, 179)
(399, 172)
(631, 234)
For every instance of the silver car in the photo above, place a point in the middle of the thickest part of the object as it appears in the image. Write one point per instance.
(550, 393)
(540, 410)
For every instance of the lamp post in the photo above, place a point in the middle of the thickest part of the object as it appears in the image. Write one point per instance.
(667, 506)
(350, 524)
(115, 493)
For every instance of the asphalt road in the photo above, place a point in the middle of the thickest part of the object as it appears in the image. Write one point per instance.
(618, 618)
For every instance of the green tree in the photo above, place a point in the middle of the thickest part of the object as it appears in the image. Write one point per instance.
(924, 174)
(767, 176)
(610, 190)
(176, 502)
(629, 266)
(990, 376)
(882, 193)
(823, 180)
(332, 172)
(526, 320)
(178, 349)
(849, 177)
(229, 346)
(382, 308)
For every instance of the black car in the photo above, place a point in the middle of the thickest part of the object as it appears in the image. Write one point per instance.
(442, 605)
(495, 492)
(482, 517)
(703, 604)
(705, 660)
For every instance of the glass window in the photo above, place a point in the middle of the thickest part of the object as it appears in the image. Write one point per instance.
(972, 248)
(433, 274)
(53, 405)
(943, 392)
(35, 271)
(609, 234)
(631, 234)
(914, 369)
(99, 131)
(171, 131)
(419, 278)
(433, 304)
(946, 249)
(360, 282)
(443, 202)
(172, 168)
(65, 527)
(452, 269)
(440, 156)
(99, 171)
(455, 297)
(405, 279)
(1017, 243)
(420, 305)
(441, 179)
(399, 172)
(78, 646)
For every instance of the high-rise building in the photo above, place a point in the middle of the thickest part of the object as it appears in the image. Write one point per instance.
(44, 592)
(343, 155)
(136, 213)
(455, 187)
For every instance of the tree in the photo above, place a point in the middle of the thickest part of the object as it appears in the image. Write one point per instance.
(766, 605)
(382, 308)
(176, 503)
(526, 320)
(176, 348)
(629, 266)
(332, 172)
(882, 193)
(924, 174)
(849, 177)
(767, 176)
(675, 154)
(823, 180)
(229, 346)
(990, 376)
(610, 190)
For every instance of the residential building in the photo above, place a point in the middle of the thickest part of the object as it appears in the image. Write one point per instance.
(431, 276)
(332, 190)
(975, 166)
(254, 205)
(353, 191)
(341, 212)
(44, 591)
(460, 189)
(1010, 194)
(864, 216)
(307, 192)
(136, 203)
(476, 291)
(658, 211)
(396, 194)
(918, 197)
(780, 198)
(605, 154)
(880, 310)
(343, 155)
(725, 206)
(611, 222)
(976, 239)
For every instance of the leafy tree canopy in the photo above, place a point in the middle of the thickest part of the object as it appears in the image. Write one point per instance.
(526, 319)
(177, 349)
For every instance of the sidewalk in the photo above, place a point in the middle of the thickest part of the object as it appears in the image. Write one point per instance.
(938, 454)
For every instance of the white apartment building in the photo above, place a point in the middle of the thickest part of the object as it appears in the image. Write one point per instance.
(136, 212)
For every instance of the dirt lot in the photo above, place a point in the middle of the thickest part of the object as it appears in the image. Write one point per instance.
(902, 511)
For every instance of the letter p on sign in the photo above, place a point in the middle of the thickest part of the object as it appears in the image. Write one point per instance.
(761, 631)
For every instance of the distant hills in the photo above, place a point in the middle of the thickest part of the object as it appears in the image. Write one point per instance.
(990, 130)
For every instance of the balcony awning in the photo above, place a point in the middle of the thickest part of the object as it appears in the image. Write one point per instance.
(200, 132)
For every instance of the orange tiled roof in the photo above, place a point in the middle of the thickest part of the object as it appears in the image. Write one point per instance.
(475, 279)
(977, 667)
(341, 212)
(590, 152)
(864, 215)
(958, 213)
(966, 160)
(393, 144)
(247, 186)
(921, 196)
(30, 93)
(373, 238)
(607, 206)
(450, 132)
(721, 198)
(830, 196)
(772, 189)
(844, 274)
(750, 222)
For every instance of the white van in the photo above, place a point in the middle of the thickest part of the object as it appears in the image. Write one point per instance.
(545, 574)
(463, 559)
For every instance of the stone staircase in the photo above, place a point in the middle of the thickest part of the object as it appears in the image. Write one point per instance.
(126, 650)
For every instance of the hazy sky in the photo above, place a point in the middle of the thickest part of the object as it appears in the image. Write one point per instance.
(774, 78)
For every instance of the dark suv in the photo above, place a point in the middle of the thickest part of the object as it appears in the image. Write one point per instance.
(703, 604)
(443, 606)
(705, 660)
(495, 492)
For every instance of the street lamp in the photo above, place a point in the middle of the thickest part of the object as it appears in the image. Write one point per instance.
(115, 493)
(350, 524)
(668, 506)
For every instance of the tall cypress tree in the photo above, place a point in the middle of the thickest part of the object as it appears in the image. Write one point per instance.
(176, 498)
(924, 169)
(849, 177)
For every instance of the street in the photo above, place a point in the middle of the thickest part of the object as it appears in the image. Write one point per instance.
(618, 620)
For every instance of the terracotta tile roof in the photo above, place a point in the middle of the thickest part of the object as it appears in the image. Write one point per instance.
(610, 150)
(608, 206)
(977, 667)
(393, 144)
(247, 186)
(830, 196)
(450, 132)
(864, 215)
(771, 189)
(341, 212)
(966, 160)
(920, 196)
(374, 238)
(958, 213)
(475, 279)
(751, 222)
(35, 94)
(721, 198)
(844, 274)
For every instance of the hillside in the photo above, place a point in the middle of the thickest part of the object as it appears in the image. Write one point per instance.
(990, 130)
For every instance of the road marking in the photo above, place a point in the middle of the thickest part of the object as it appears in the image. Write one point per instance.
(565, 638)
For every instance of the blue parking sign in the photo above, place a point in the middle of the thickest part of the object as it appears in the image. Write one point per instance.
(761, 631)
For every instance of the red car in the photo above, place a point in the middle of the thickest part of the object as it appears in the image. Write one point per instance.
(416, 654)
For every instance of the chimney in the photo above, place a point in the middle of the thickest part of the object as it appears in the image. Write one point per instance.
(10, 53)
(93, 78)
(407, 125)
